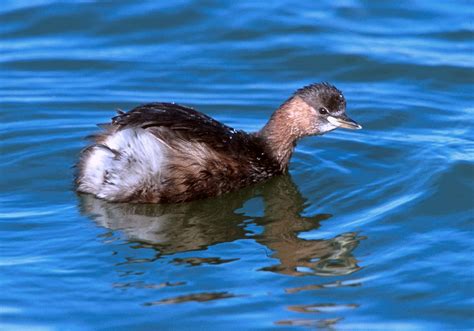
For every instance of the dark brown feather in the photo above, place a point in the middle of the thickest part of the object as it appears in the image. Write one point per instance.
(189, 124)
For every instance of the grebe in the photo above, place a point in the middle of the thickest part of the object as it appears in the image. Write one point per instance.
(166, 153)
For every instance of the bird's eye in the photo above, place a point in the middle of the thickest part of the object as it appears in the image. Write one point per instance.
(323, 111)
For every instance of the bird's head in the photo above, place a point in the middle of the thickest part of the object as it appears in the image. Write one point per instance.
(321, 108)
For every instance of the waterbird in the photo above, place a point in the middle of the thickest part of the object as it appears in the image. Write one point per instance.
(169, 153)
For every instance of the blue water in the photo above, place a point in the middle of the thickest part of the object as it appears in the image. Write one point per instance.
(371, 230)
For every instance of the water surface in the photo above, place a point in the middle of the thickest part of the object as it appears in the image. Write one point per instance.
(370, 230)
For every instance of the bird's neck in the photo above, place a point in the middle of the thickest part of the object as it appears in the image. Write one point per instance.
(282, 132)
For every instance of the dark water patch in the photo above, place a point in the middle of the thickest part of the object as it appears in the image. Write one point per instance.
(198, 297)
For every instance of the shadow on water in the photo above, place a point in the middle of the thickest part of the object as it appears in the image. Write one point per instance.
(176, 228)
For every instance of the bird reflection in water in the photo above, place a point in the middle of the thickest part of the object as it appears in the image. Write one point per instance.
(197, 225)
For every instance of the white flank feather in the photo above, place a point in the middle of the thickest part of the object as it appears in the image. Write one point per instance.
(136, 160)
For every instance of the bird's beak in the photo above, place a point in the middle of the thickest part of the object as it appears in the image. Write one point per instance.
(344, 122)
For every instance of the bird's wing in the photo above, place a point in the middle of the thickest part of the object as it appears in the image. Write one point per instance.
(187, 122)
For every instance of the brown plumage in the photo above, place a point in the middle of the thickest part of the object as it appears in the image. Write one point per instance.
(165, 152)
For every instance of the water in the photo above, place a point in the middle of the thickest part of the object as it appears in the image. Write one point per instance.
(371, 230)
